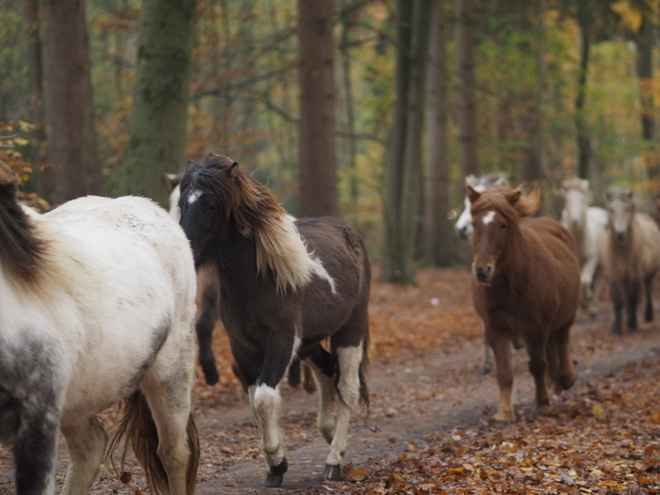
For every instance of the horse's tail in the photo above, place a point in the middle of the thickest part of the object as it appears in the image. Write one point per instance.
(364, 364)
(138, 426)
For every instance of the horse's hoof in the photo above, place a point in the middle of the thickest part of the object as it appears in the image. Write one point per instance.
(483, 371)
(543, 410)
(332, 472)
(275, 475)
(211, 377)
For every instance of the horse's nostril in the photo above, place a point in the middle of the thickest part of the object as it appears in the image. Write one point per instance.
(620, 235)
(488, 270)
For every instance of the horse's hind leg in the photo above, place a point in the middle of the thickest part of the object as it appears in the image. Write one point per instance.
(538, 366)
(349, 388)
(323, 367)
(648, 309)
(86, 442)
(168, 396)
(564, 377)
(35, 455)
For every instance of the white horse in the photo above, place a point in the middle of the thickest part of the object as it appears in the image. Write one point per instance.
(463, 229)
(587, 224)
(630, 250)
(96, 306)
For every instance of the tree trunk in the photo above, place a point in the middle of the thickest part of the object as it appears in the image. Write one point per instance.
(159, 115)
(645, 75)
(390, 266)
(583, 141)
(466, 101)
(437, 230)
(72, 146)
(347, 18)
(35, 70)
(318, 183)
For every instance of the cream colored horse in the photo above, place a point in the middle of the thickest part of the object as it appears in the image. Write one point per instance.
(630, 250)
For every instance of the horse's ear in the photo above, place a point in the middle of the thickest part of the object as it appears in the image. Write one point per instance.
(233, 170)
(514, 197)
(630, 194)
(608, 196)
(470, 180)
(190, 164)
(171, 180)
(472, 194)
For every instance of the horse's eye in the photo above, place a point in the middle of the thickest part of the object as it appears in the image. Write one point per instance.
(212, 207)
(503, 226)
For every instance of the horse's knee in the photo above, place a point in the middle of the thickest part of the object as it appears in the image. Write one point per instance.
(35, 454)
(538, 366)
(266, 405)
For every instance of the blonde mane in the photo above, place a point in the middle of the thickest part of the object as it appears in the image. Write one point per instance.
(256, 214)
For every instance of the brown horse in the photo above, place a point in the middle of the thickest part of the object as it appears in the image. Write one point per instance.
(527, 285)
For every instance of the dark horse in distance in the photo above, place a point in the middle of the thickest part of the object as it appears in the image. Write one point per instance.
(285, 286)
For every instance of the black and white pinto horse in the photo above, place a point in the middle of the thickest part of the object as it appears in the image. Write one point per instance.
(96, 305)
(285, 287)
(207, 315)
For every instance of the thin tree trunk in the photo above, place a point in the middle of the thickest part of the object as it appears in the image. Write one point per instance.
(160, 106)
(412, 164)
(318, 188)
(35, 70)
(467, 101)
(583, 141)
(437, 230)
(645, 75)
(393, 177)
(72, 145)
(347, 17)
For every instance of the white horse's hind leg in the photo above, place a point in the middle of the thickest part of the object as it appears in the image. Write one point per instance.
(349, 393)
(86, 442)
(170, 408)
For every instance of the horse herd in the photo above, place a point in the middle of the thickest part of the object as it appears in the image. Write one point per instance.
(97, 306)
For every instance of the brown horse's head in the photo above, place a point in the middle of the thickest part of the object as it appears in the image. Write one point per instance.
(496, 216)
(621, 205)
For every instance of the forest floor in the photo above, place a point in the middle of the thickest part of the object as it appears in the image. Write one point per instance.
(428, 430)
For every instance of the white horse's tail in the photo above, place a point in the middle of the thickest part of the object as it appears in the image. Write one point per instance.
(138, 427)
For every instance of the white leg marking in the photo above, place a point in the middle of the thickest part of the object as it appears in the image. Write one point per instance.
(194, 196)
(488, 217)
(325, 420)
(266, 406)
(349, 393)
(322, 273)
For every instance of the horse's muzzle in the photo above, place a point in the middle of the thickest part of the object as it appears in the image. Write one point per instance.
(620, 236)
(462, 232)
(483, 274)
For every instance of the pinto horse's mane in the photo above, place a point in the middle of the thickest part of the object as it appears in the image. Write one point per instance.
(255, 213)
(22, 250)
(514, 204)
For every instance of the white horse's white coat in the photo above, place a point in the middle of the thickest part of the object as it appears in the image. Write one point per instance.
(587, 224)
(113, 307)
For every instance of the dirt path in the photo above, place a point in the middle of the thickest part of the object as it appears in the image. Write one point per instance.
(419, 392)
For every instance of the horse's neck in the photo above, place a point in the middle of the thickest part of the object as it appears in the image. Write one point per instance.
(236, 261)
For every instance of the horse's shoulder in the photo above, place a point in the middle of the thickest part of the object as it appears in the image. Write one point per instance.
(549, 231)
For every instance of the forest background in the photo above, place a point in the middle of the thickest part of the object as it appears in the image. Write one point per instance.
(421, 94)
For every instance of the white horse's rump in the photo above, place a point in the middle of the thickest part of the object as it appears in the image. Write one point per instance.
(587, 224)
(106, 312)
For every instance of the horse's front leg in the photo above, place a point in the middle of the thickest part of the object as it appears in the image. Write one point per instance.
(487, 364)
(616, 293)
(204, 328)
(266, 401)
(632, 301)
(501, 346)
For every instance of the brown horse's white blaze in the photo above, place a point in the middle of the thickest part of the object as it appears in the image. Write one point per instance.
(527, 282)
(285, 287)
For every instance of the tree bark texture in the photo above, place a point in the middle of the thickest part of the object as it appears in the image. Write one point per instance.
(437, 229)
(160, 106)
(406, 220)
(72, 145)
(467, 100)
(35, 69)
(645, 75)
(318, 181)
(582, 130)
(393, 176)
